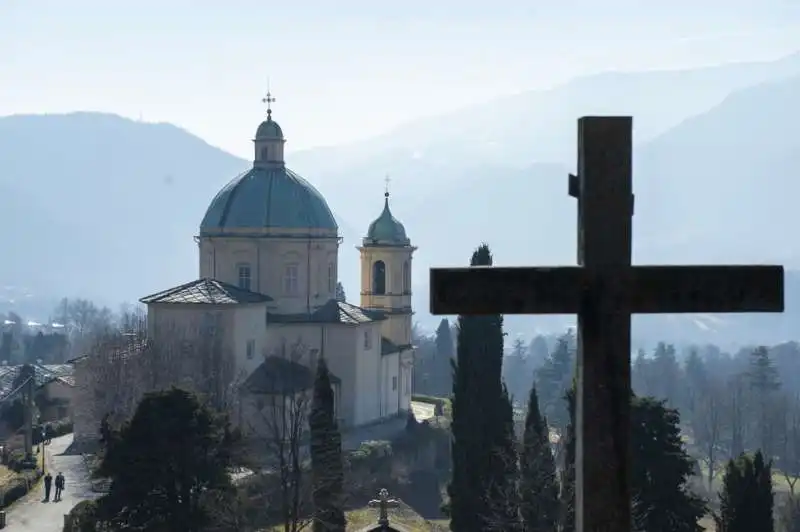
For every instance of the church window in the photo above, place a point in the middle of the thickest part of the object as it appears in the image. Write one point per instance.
(406, 278)
(367, 340)
(331, 277)
(265, 153)
(251, 349)
(290, 280)
(244, 276)
(394, 383)
(379, 278)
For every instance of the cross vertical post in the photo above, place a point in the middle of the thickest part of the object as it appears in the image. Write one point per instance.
(604, 192)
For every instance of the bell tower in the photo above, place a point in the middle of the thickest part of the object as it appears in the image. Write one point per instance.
(386, 254)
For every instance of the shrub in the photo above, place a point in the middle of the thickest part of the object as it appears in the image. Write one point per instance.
(82, 518)
(18, 486)
(443, 405)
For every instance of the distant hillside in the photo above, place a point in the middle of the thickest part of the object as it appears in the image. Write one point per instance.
(104, 207)
(101, 205)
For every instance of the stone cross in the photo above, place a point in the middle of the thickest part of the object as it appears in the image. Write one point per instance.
(604, 290)
(383, 503)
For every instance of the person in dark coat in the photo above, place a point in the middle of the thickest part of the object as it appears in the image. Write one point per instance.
(48, 483)
(59, 485)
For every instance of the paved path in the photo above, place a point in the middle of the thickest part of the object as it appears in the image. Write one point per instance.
(30, 514)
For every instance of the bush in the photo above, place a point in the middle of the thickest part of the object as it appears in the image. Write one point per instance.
(19, 486)
(444, 407)
(82, 518)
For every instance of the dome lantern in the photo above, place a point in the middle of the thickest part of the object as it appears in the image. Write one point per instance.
(269, 139)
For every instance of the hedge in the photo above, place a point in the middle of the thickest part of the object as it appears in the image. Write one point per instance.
(18, 486)
(443, 405)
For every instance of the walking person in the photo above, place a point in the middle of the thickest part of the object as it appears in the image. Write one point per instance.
(48, 483)
(59, 485)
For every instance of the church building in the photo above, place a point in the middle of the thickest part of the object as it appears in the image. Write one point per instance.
(268, 270)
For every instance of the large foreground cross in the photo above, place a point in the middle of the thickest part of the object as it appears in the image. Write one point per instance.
(604, 290)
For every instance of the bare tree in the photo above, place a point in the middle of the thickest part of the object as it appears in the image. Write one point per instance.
(707, 427)
(283, 400)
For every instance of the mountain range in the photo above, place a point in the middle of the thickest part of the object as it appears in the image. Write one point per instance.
(96, 205)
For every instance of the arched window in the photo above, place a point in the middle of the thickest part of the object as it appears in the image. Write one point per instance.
(379, 278)
(406, 278)
(244, 276)
(265, 153)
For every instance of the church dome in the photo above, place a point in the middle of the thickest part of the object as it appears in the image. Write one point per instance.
(267, 197)
(386, 230)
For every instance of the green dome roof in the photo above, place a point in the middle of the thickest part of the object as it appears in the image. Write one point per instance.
(267, 197)
(386, 230)
(269, 129)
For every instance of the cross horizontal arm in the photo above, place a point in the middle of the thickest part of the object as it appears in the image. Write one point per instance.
(717, 289)
(646, 289)
(493, 290)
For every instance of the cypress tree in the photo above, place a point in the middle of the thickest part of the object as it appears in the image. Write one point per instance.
(538, 485)
(746, 499)
(327, 471)
(503, 487)
(477, 390)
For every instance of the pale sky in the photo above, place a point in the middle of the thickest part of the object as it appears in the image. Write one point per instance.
(349, 69)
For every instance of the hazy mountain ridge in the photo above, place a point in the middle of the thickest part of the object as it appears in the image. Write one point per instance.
(717, 187)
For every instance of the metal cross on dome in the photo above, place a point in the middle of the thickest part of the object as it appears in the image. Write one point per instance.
(269, 100)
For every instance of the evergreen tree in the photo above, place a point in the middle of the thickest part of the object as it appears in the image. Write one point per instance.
(553, 380)
(477, 389)
(516, 373)
(166, 464)
(662, 500)
(503, 488)
(567, 495)
(746, 499)
(661, 470)
(668, 372)
(327, 470)
(441, 372)
(764, 383)
(538, 485)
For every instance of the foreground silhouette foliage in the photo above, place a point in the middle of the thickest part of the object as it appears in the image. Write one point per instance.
(169, 466)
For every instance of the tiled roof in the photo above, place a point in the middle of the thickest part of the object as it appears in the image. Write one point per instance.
(206, 292)
(42, 374)
(331, 312)
(388, 347)
(277, 375)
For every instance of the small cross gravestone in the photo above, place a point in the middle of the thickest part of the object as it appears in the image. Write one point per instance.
(383, 503)
(604, 290)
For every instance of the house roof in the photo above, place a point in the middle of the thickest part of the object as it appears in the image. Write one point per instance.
(206, 292)
(331, 312)
(388, 347)
(42, 374)
(278, 375)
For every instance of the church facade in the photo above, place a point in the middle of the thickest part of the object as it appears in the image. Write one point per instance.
(268, 270)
